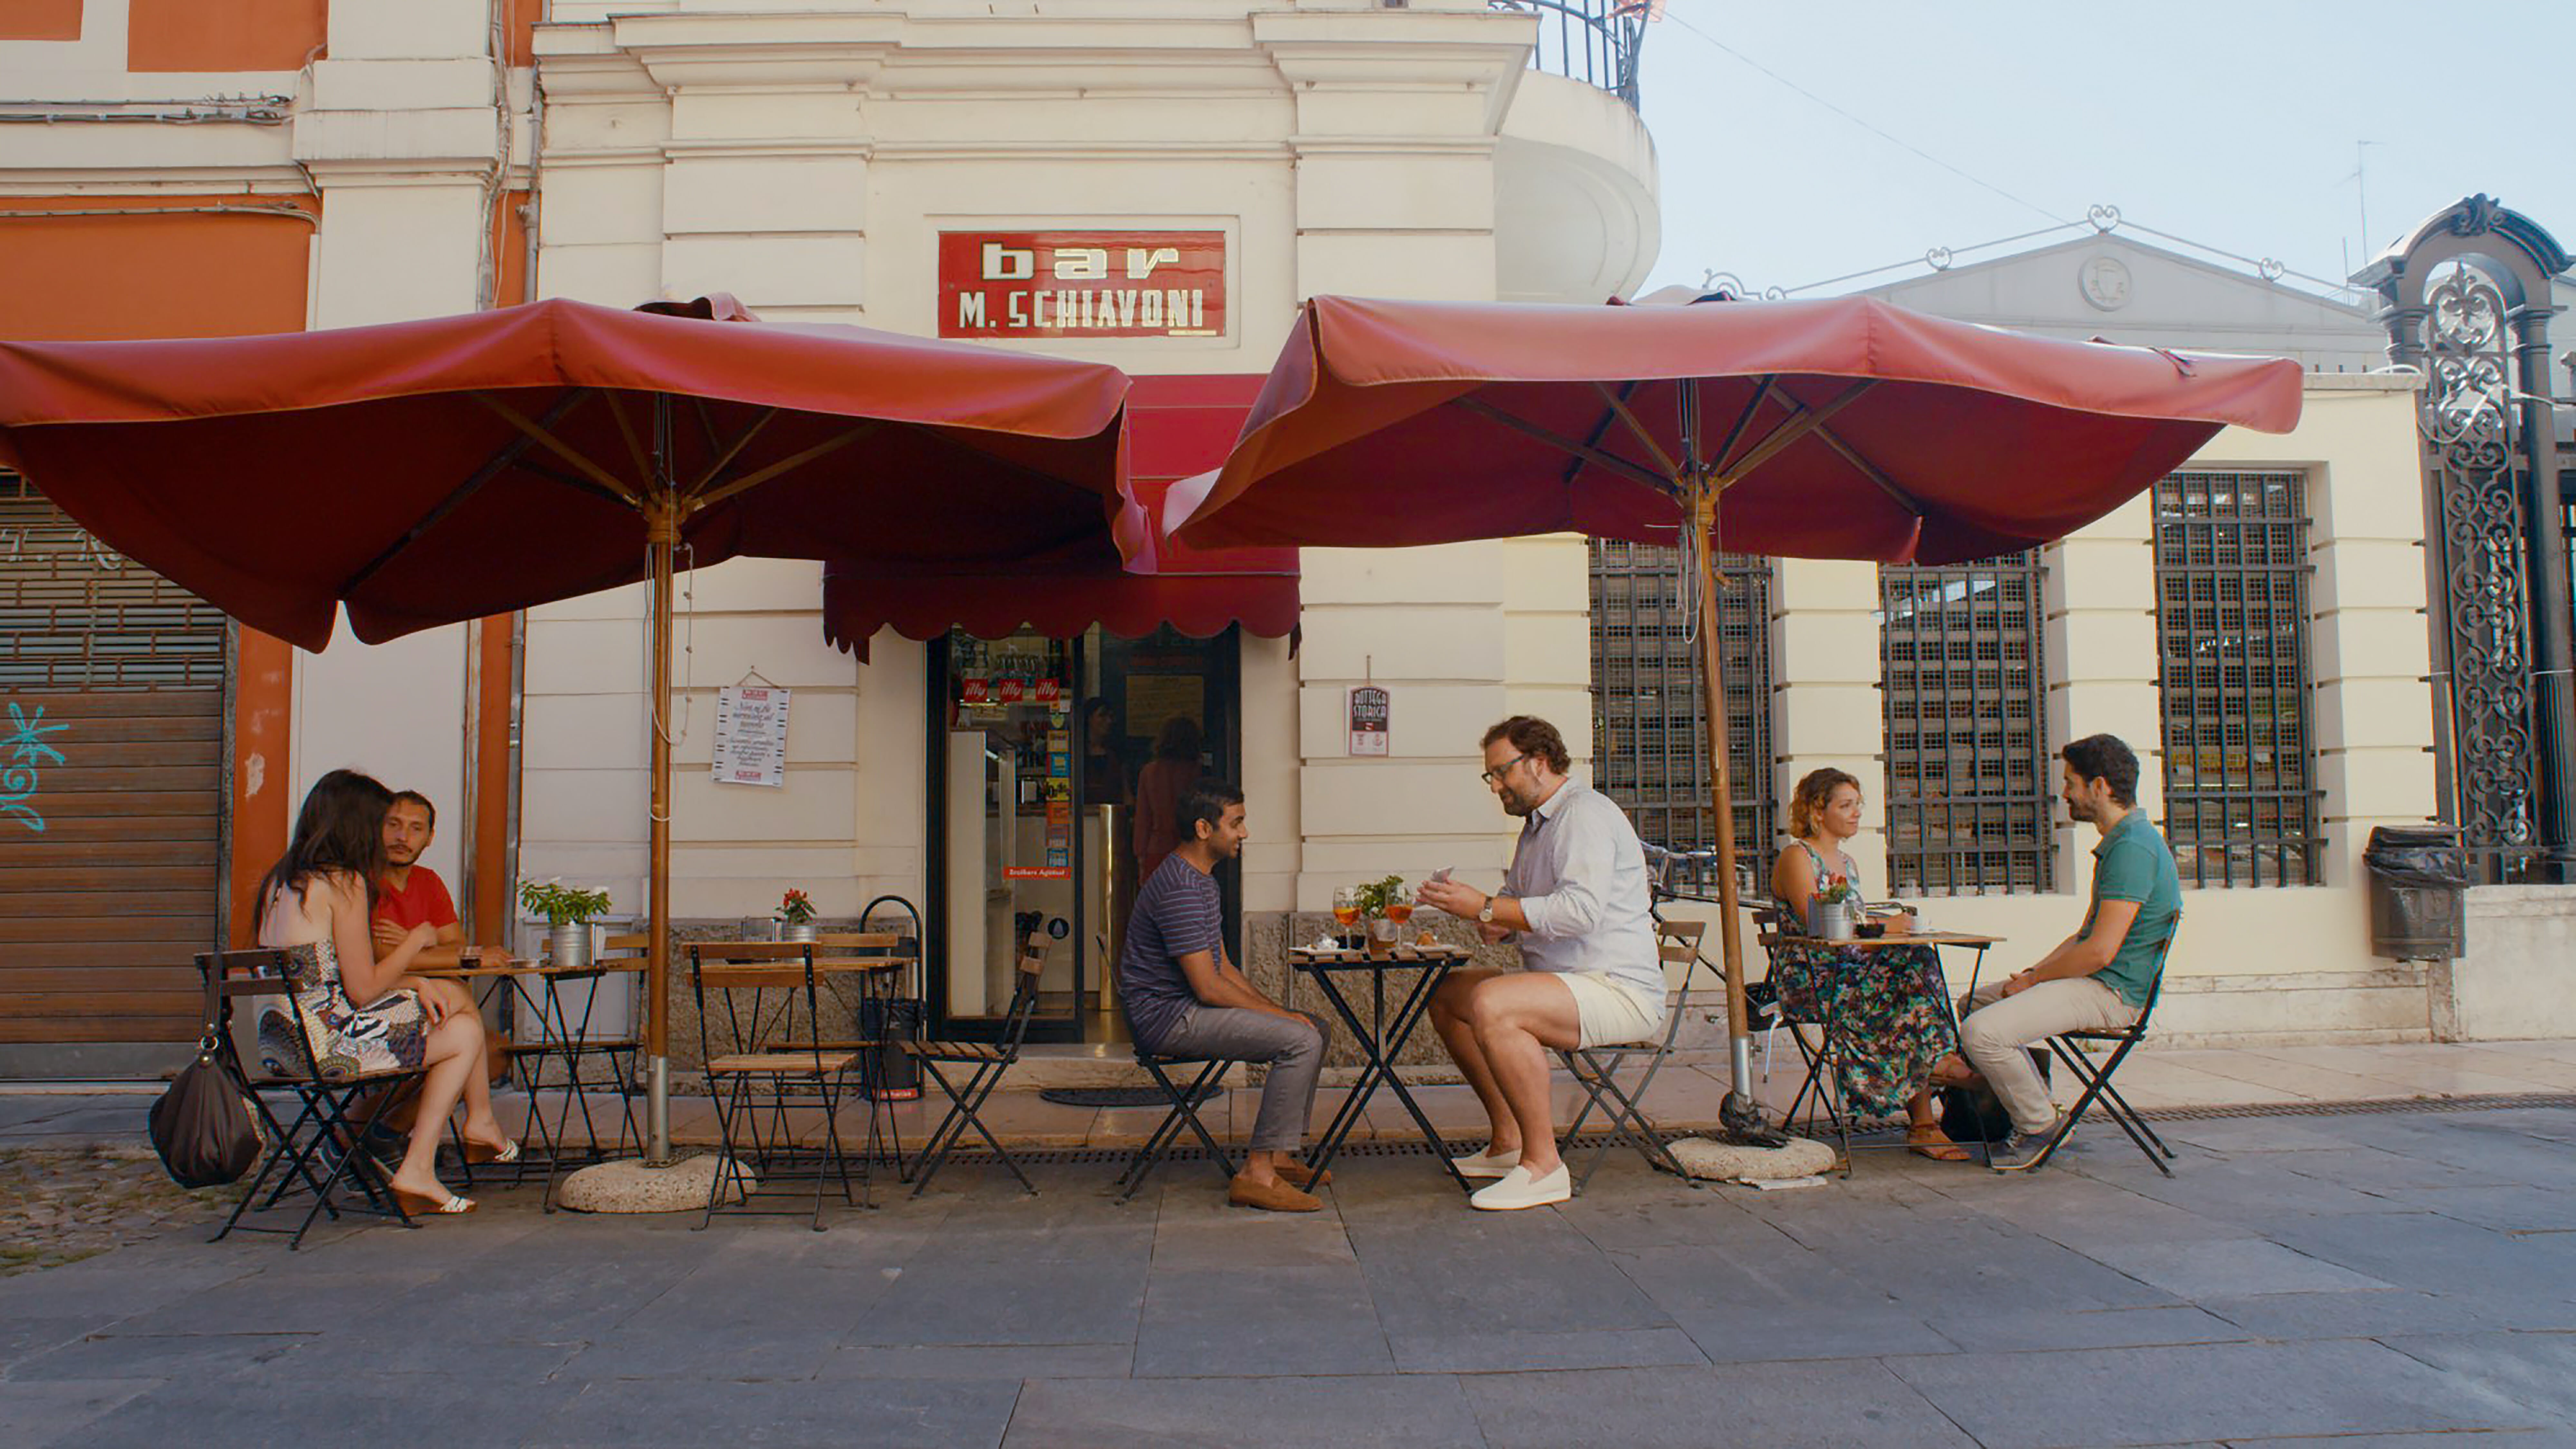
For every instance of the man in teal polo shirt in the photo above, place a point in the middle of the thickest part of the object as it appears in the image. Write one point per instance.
(2097, 979)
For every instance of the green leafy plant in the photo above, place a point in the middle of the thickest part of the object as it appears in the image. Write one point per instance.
(560, 904)
(1373, 895)
(795, 908)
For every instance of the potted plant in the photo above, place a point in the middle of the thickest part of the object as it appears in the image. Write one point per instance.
(1834, 909)
(795, 916)
(1384, 904)
(569, 911)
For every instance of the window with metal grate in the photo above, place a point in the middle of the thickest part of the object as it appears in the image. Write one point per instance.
(2232, 620)
(1650, 747)
(1963, 673)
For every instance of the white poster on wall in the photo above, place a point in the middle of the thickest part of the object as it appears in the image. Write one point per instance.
(751, 735)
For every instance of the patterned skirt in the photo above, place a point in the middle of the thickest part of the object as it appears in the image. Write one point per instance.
(1888, 1006)
(388, 1034)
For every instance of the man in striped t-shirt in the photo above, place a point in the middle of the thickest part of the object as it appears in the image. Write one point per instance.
(1185, 998)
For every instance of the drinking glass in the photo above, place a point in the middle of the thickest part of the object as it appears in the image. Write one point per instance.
(1346, 912)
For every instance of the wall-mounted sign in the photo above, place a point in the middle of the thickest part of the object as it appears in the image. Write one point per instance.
(751, 736)
(1037, 872)
(1081, 283)
(1370, 714)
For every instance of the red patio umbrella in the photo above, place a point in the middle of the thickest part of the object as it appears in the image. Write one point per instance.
(1834, 429)
(423, 473)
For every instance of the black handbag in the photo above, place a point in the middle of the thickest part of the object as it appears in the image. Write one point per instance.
(204, 1127)
(1975, 1114)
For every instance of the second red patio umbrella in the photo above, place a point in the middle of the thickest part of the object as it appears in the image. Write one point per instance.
(1836, 429)
(423, 473)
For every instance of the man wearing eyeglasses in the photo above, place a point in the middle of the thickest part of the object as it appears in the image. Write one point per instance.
(1575, 901)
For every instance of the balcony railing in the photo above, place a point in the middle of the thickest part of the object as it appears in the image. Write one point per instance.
(1593, 41)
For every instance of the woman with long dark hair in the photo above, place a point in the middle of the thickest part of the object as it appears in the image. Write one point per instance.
(361, 1014)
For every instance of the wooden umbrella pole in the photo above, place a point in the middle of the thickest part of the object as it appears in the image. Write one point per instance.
(1703, 526)
(662, 533)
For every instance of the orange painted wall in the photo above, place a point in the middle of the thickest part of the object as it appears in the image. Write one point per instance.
(177, 274)
(263, 680)
(40, 19)
(223, 34)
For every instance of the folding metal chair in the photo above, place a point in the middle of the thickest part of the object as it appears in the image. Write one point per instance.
(2070, 1049)
(1816, 1092)
(1184, 1111)
(1596, 1068)
(753, 988)
(988, 1062)
(321, 1148)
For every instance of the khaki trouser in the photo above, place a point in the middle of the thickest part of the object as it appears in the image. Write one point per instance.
(1993, 1029)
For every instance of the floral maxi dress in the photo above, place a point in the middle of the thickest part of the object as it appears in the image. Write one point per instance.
(1889, 1008)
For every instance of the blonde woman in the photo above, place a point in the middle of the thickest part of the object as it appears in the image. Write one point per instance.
(1886, 1001)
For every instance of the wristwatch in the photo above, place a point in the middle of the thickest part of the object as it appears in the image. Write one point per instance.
(1485, 916)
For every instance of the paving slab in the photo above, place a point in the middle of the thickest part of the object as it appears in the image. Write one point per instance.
(1412, 1411)
(59, 1413)
(1475, 1350)
(2242, 1267)
(2160, 1395)
(1006, 1299)
(1259, 1321)
(844, 1414)
(2534, 1369)
(1848, 1405)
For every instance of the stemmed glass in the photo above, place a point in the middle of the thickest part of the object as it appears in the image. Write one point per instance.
(1346, 912)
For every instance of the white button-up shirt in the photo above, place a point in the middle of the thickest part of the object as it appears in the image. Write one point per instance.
(1580, 876)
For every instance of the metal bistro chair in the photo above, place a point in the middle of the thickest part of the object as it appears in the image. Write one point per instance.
(876, 957)
(1596, 1068)
(988, 1062)
(2069, 1047)
(754, 987)
(328, 1128)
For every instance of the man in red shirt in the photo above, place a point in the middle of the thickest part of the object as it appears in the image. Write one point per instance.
(411, 894)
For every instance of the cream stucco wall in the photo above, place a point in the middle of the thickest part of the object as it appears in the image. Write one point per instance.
(2250, 963)
(807, 161)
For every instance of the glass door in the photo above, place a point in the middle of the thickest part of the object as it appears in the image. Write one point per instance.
(1040, 751)
(1003, 766)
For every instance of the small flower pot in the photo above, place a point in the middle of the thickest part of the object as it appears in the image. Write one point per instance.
(796, 930)
(568, 945)
(1831, 920)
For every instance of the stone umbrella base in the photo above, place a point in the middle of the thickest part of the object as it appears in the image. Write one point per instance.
(627, 1185)
(1726, 1162)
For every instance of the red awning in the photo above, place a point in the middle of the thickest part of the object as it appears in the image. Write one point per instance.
(1176, 426)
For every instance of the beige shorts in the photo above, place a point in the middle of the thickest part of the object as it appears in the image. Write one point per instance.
(1610, 1012)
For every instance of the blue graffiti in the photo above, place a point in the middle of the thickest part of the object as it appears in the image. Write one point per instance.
(25, 750)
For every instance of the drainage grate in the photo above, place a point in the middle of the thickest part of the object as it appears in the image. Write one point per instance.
(1077, 1156)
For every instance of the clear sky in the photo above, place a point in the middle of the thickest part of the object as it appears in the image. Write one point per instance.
(2231, 124)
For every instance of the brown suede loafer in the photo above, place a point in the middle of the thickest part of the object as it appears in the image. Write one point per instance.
(1298, 1174)
(1270, 1197)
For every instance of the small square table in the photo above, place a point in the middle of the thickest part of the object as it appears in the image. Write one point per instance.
(1381, 1047)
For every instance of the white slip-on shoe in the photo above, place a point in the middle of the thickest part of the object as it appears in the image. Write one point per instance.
(1486, 1165)
(1519, 1190)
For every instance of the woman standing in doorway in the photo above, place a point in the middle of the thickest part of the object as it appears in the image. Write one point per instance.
(1159, 787)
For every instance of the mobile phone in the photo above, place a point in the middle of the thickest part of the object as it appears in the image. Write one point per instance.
(1442, 874)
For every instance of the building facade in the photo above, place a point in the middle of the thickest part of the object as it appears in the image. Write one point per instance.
(1004, 172)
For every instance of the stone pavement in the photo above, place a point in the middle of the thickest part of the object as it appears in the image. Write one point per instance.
(2372, 1279)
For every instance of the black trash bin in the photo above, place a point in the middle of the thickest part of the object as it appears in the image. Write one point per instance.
(2419, 880)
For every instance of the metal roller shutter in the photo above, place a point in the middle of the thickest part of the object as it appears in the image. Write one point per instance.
(111, 799)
